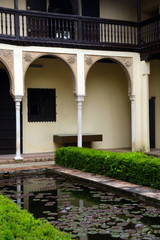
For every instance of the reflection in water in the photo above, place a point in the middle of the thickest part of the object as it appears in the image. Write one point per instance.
(19, 192)
(89, 214)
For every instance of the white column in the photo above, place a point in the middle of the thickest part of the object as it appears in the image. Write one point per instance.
(145, 112)
(18, 100)
(133, 121)
(79, 100)
(145, 72)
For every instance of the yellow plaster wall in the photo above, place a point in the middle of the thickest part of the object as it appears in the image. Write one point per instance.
(1, 65)
(154, 89)
(10, 4)
(116, 9)
(148, 7)
(106, 108)
(7, 4)
(38, 137)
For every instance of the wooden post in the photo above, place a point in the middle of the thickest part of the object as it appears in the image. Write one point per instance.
(139, 20)
(79, 7)
(15, 4)
(16, 21)
(138, 11)
(79, 22)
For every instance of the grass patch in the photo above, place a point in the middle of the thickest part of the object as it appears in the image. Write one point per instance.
(133, 167)
(18, 224)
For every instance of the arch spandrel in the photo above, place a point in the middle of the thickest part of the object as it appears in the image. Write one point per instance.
(125, 62)
(7, 58)
(69, 59)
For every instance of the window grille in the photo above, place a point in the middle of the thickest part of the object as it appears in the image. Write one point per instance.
(41, 105)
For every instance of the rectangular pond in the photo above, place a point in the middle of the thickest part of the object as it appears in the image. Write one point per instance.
(85, 211)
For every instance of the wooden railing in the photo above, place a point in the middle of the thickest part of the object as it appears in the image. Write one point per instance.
(109, 31)
(30, 27)
(150, 31)
(46, 27)
(7, 23)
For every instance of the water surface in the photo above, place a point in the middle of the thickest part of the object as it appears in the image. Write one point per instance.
(83, 210)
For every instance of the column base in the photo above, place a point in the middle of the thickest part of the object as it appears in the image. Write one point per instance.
(18, 158)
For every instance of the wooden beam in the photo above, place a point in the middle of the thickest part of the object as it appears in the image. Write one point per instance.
(15, 4)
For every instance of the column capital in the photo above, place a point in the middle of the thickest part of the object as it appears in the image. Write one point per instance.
(18, 98)
(132, 97)
(79, 98)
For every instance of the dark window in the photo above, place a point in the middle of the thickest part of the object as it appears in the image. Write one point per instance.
(152, 121)
(38, 5)
(90, 8)
(60, 6)
(41, 105)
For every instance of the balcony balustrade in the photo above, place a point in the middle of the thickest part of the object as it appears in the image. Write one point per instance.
(43, 28)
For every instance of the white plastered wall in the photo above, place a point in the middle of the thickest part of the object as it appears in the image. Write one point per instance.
(18, 72)
(154, 89)
(138, 88)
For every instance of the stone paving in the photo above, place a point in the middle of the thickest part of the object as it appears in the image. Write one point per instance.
(30, 157)
(49, 156)
(18, 168)
(154, 152)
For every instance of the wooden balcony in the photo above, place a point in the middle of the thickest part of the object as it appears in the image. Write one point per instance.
(48, 29)
(150, 38)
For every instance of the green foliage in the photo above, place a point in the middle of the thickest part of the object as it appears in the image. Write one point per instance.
(19, 224)
(134, 167)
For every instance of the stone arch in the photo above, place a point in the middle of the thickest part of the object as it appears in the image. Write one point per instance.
(125, 62)
(6, 57)
(69, 59)
(108, 127)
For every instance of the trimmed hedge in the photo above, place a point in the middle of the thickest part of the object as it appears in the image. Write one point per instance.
(133, 167)
(19, 224)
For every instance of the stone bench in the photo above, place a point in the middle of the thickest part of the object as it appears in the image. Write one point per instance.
(71, 139)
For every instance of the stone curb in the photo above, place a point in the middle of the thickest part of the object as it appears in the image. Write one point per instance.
(143, 193)
(147, 194)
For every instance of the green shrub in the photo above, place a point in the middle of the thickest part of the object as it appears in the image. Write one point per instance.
(19, 224)
(134, 167)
